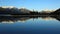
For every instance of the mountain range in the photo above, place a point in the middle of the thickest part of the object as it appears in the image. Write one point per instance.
(24, 11)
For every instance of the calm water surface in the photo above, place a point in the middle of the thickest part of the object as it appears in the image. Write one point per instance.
(25, 25)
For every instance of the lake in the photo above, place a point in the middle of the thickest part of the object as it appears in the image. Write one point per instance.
(30, 25)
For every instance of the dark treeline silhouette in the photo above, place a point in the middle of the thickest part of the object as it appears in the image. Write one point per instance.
(57, 12)
(22, 11)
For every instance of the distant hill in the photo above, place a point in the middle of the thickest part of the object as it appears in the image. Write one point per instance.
(24, 10)
(57, 12)
(14, 11)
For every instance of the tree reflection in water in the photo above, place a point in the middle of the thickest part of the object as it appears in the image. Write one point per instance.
(12, 19)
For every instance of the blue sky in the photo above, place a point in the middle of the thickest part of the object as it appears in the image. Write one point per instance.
(32, 4)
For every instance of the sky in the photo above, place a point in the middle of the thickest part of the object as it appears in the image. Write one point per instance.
(32, 4)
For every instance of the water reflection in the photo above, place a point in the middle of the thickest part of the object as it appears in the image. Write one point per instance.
(12, 19)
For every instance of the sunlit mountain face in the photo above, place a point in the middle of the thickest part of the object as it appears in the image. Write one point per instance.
(25, 8)
(7, 6)
(47, 11)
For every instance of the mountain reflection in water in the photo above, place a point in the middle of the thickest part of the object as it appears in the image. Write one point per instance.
(12, 19)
